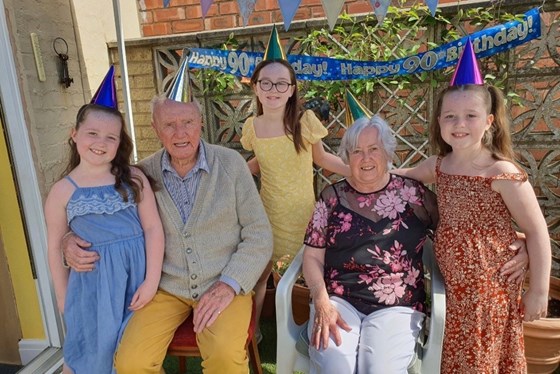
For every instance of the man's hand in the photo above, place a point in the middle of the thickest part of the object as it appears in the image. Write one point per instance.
(76, 257)
(516, 268)
(211, 304)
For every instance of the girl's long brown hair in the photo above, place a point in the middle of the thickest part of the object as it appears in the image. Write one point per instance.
(497, 138)
(120, 166)
(292, 113)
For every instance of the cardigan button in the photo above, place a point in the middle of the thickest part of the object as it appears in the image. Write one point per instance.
(194, 286)
(195, 295)
(189, 250)
(193, 277)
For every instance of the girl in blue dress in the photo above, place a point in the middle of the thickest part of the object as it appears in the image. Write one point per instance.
(106, 201)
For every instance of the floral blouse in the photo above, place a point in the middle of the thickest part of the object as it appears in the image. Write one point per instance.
(374, 242)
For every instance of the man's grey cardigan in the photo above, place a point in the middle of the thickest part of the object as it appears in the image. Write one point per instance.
(227, 232)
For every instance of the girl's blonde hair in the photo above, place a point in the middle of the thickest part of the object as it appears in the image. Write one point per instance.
(497, 139)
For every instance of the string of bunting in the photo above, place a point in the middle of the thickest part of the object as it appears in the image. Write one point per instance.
(486, 43)
(289, 8)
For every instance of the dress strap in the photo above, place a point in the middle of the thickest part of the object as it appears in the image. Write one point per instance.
(71, 181)
(520, 177)
(438, 164)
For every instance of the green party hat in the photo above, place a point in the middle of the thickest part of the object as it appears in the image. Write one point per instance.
(355, 109)
(274, 49)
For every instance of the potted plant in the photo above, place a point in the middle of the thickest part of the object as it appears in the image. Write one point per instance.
(300, 292)
(542, 337)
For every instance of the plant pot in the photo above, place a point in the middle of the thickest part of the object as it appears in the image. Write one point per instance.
(300, 300)
(542, 339)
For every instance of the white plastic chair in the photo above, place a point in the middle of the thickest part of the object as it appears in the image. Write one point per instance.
(292, 344)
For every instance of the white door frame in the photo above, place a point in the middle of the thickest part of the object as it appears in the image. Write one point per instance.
(28, 186)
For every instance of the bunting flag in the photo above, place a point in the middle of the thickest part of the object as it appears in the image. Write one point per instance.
(380, 8)
(432, 5)
(205, 4)
(246, 7)
(288, 9)
(332, 10)
(166, 3)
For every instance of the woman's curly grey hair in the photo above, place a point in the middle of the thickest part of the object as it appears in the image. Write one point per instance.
(387, 140)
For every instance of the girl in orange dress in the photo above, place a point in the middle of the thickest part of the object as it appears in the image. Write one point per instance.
(480, 189)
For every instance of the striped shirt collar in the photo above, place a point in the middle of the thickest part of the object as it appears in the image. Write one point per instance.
(201, 161)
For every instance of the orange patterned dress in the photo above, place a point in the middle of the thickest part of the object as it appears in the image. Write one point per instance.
(483, 327)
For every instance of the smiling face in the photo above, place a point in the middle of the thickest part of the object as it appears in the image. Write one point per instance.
(463, 119)
(272, 75)
(178, 127)
(368, 162)
(97, 138)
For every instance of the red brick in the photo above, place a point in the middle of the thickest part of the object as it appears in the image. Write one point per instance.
(193, 11)
(221, 22)
(190, 25)
(360, 7)
(266, 5)
(317, 12)
(169, 14)
(146, 17)
(156, 29)
(214, 10)
(310, 2)
(260, 18)
(228, 7)
(153, 4)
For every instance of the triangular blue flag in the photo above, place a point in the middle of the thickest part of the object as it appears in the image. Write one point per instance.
(432, 5)
(288, 9)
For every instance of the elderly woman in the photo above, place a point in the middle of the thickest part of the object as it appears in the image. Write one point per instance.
(363, 260)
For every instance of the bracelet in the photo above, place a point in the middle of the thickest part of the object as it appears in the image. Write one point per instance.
(64, 262)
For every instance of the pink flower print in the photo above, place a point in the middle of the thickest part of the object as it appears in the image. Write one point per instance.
(320, 215)
(410, 195)
(389, 205)
(389, 290)
(412, 277)
(317, 239)
(346, 221)
(337, 288)
(395, 184)
(396, 266)
(332, 201)
(365, 278)
(364, 201)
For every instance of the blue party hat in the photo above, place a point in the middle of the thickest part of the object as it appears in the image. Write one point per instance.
(355, 109)
(274, 49)
(106, 94)
(181, 86)
(467, 70)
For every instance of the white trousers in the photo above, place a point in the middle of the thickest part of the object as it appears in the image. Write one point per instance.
(380, 343)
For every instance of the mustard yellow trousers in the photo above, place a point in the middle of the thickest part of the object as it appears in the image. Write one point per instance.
(150, 330)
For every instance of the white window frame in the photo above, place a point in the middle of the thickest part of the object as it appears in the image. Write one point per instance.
(32, 203)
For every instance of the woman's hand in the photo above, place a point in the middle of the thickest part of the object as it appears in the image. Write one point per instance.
(327, 320)
(516, 268)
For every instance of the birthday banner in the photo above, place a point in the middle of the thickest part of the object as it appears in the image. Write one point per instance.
(486, 43)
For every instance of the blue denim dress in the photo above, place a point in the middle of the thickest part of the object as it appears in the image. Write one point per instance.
(96, 306)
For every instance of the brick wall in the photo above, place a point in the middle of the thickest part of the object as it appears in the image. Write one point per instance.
(185, 16)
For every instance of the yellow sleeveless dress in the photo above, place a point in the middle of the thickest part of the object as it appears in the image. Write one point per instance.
(286, 181)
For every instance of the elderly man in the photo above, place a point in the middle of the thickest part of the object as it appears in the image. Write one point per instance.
(218, 241)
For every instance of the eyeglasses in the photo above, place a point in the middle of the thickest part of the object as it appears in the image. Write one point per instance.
(267, 85)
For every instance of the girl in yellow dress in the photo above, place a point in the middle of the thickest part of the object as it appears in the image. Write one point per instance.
(286, 143)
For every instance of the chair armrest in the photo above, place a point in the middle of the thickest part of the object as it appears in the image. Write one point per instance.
(431, 360)
(286, 329)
